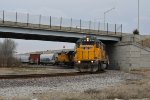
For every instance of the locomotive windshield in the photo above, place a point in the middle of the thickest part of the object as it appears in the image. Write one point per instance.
(88, 41)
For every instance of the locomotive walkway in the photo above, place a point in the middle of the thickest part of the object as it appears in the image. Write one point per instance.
(38, 27)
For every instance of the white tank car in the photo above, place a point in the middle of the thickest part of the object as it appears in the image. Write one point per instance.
(47, 59)
(23, 58)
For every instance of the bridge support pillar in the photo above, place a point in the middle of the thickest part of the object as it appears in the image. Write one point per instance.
(128, 55)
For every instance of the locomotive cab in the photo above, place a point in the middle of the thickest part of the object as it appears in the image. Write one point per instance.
(65, 58)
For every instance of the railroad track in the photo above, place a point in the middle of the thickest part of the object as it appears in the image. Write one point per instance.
(26, 76)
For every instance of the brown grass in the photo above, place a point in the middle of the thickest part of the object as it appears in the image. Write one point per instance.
(146, 42)
(143, 71)
(1, 98)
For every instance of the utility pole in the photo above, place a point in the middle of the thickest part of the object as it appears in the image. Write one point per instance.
(138, 15)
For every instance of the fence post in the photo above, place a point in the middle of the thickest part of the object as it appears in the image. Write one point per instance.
(89, 26)
(71, 24)
(50, 21)
(16, 17)
(98, 26)
(3, 16)
(80, 24)
(121, 30)
(60, 22)
(121, 34)
(40, 20)
(107, 28)
(27, 19)
(115, 29)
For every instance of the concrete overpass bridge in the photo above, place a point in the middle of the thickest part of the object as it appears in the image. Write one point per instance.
(123, 55)
(38, 27)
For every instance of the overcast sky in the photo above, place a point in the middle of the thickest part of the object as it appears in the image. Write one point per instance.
(125, 13)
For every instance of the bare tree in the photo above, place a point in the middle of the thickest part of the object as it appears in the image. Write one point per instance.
(7, 50)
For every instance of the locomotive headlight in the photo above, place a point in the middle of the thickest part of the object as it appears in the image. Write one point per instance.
(87, 39)
(92, 61)
(79, 62)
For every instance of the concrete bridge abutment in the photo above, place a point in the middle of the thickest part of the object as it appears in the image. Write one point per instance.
(129, 54)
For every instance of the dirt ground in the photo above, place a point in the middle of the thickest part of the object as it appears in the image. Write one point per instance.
(34, 70)
(130, 89)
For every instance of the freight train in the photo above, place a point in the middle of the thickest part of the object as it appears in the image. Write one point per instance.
(90, 55)
(37, 58)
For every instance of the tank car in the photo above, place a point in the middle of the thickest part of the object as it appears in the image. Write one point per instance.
(47, 59)
(23, 58)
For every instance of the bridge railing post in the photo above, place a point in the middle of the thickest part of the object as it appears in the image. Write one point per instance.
(3, 16)
(16, 17)
(98, 26)
(60, 22)
(70, 24)
(107, 29)
(89, 26)
(50, 21)
(115, 29)
(27, 19)
(80, 24)
(40, 20)
(121, 29)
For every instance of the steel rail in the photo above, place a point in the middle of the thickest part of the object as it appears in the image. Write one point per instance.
(28, 76)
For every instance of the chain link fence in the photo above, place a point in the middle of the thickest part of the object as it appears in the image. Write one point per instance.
(55, 23)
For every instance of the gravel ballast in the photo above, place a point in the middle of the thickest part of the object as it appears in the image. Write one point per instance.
(28, 87)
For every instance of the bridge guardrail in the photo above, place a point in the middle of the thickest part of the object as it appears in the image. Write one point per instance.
(138, 41)
(61, 24)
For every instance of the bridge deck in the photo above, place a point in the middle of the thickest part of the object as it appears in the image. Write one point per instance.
(25, 26)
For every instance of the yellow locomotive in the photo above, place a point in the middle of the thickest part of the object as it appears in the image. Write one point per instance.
(65, 58)
(90, 55)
